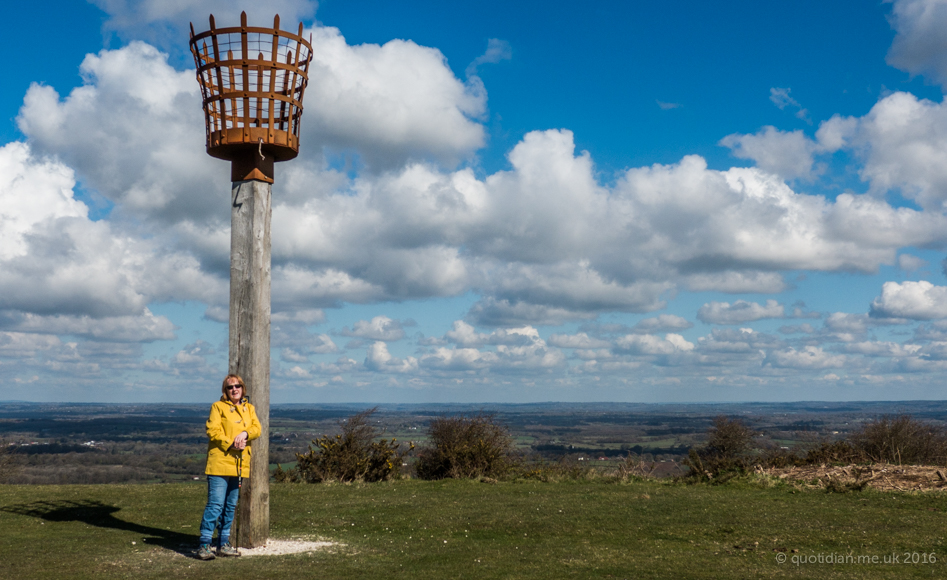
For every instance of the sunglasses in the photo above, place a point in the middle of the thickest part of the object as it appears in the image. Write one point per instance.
(232, 387)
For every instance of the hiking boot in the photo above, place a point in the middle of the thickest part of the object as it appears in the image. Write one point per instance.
(227, 550)
(205, 552)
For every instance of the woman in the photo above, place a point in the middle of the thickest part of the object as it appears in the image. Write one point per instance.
(232, 423)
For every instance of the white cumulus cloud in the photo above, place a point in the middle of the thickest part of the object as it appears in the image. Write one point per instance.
(379, 359)
(810, 357)
(739, 312)
(62, 272)
(379, 328)
(392, 102)
(165, 22)
(915, 300)
(580, 340)
(902, 142)
(919, 46)
(648, 344)
(787, 154)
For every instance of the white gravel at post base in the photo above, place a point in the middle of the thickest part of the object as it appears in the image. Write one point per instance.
(281, 547)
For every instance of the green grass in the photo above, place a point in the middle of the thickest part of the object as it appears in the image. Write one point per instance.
(465, 529)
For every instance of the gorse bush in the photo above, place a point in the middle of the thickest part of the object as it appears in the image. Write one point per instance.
(728, 438)
(353, 455)
(465, 447)
(728, 449)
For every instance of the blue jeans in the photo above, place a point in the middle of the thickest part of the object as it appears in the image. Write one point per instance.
(222, 495)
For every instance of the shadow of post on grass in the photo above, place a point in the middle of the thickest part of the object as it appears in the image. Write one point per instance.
(102, 515)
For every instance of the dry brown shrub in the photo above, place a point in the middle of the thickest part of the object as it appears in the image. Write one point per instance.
(901, 439)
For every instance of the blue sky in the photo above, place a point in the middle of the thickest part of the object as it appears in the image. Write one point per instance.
(494, 202)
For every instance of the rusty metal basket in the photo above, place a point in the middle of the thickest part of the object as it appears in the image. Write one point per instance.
(252, 81)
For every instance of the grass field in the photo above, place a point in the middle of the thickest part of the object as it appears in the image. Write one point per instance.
(466, 529)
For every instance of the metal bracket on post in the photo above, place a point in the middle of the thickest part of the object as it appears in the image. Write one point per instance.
(250, 166)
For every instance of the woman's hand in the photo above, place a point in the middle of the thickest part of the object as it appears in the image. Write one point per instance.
(240, 441)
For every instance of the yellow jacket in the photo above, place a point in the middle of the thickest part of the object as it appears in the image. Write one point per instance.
(226, 421)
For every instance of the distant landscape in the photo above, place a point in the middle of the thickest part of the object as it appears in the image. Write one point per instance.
(157, 443)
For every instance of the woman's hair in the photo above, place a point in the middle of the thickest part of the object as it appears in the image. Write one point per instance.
(223, 387)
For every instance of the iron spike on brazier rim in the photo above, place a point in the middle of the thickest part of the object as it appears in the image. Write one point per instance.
(252, 104)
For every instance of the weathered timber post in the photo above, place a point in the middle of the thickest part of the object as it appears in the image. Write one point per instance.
(250, 342)
(252, 109)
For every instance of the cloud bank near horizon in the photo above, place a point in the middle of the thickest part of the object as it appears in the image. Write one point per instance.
(387, 204)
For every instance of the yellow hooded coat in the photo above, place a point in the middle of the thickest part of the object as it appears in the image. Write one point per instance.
(226, 421)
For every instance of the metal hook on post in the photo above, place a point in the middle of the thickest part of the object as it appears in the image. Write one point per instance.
(261, 149)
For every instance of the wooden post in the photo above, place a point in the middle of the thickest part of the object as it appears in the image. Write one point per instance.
(252, 139)
(250, 343)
